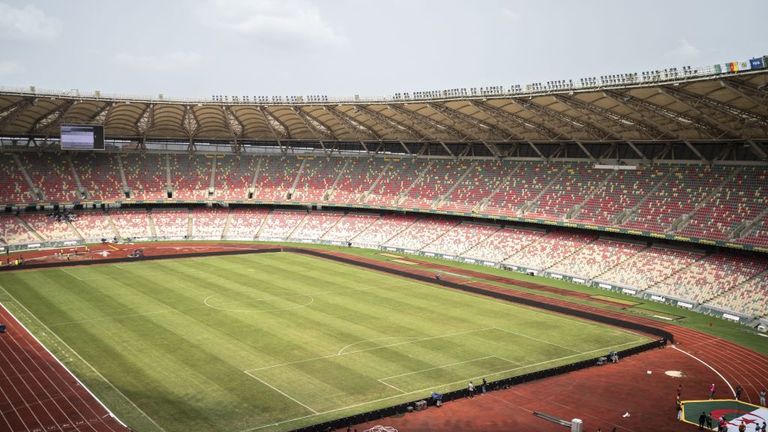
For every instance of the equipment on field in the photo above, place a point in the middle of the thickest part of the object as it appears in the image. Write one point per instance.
(2, 328)
(421, 405)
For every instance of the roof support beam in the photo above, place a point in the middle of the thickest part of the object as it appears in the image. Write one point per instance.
(586, 152)
(405, 147)
(536, 149)
(493, 149)
(695, 150)
(53, 116)
(637, 150)
(497, 112)
(421, 120)
(393, 124)
(546, 112)
(693, 101)
(591, 126)
(757, 149)
(274, 131)
(13, 111)
(357, 125)
(616, 118)
(468, 119)
(447, 149)
(328, 131)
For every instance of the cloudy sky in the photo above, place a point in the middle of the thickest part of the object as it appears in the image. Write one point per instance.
(344, 47)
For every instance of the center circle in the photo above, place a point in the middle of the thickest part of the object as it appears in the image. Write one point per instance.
(262, 304)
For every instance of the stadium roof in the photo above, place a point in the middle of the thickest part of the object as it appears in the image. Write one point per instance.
(716, 107)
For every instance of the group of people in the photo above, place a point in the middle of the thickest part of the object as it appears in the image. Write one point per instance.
(705, 421)
(471, 388)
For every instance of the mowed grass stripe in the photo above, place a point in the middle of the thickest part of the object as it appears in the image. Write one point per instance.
(145, 327)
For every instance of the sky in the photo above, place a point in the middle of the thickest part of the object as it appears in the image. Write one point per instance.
(199, 48)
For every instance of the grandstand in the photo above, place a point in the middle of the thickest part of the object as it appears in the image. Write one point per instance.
(591, 180)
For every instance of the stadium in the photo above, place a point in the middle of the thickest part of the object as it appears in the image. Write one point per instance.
(553, 256)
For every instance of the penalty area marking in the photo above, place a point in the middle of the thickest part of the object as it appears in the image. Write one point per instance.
(341, 351)
(707, 365)
(281, 392)
(437, 386)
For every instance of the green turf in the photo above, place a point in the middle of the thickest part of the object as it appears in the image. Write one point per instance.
(279, 341)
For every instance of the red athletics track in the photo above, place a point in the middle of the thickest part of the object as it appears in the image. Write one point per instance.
(600, 396)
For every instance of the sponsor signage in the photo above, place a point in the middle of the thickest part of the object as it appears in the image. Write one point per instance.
(657, 298)
(685, 305)
(628, 291)
(731, 317)
(606, 286)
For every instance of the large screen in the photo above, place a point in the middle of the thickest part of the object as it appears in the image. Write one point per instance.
(82, 137)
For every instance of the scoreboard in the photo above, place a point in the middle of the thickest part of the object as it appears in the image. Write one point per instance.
(82, 137)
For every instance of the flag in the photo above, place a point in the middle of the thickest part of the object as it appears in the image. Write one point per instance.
(736, 416)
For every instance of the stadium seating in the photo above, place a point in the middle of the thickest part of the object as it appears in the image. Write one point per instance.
(749, 298)
(358, 177)
(208, 223)
(383, 229)
(550, 249)
(421, 233)
(13, 231)
(244, 223)
(280, 224)
(682, 191)
(461, 238)
(315, 225)
(503, 244)
(131, 223)
(525, 182)
(234, 175)
(597, 258)
(275, 178)
(621, 192)
(93, 225)
(52, 174)
(397, 176)
(434, 180)
(757, 235)
(710, 277)
(480, 182)
(13, 187)
(741, 199)
(171, 223)
(190, 176)
(48, 227)
(100, 176)
(146, 176)
(349, 227)
(316, 179)
(576, 183)
(649, 267)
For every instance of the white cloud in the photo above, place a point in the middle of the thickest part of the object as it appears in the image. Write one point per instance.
(27, 23)
(282, 22)
(10, 67)
(684, 51)
(159, 63)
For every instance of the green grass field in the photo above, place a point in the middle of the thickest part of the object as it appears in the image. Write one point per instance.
(279, 341)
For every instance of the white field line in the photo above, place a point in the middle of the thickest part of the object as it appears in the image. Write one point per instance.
(102, 377)
(374, 339)
(536, 339)
(437, 367)
(707, 365)
(59, 362)
(391, 386)
(281, 392)
(369, 349)
(432, 387)
(298, 306)
(64, 269)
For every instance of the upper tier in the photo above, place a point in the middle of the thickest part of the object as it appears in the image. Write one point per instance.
(722, 203)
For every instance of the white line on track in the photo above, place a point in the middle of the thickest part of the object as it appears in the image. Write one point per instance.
(76, 354)
(255, 428)
(707, 365)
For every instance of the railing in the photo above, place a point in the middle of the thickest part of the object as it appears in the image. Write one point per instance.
(653, 77)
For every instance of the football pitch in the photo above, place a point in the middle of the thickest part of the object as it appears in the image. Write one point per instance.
(277, 341)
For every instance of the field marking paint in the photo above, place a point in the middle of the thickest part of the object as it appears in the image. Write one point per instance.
(391, 386)
(281, 392)
(438, 367)
(536, 339)
(64, 269)
(369, 349)
(59, 362)
(102, 377)
(374, 339)
(255, 428)
(707, 365)
(311, 300)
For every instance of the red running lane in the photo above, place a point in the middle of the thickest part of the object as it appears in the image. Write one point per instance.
(38, 394)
